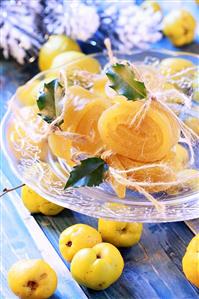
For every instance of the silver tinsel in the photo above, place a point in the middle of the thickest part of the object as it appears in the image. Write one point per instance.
(26, 24)
(73, 18)
(127, 24)
(19, 28)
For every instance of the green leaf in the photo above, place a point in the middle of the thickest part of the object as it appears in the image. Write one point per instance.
(124, 83)
(89, 173)
(47, 102)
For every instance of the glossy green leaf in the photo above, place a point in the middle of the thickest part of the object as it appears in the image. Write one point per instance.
(90, 172)
(124, 82)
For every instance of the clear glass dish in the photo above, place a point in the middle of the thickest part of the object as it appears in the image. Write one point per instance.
(48, 176)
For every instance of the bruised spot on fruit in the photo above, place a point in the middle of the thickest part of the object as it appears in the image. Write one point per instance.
(69, 244)
(101, 284)
(43, 275)
(123, 230)
(98, 256)
(32, 285)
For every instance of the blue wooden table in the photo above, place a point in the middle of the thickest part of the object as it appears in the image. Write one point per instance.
(153, 268)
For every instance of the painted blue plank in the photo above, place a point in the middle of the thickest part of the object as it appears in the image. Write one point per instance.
(17, 243)
(155, 262)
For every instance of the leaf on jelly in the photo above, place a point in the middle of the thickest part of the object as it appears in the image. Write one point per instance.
(49, 99)
(124, 82)
(90, 172)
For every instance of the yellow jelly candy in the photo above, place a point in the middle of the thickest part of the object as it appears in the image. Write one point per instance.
(190, 178)
(60, 147)
(196, 87)
(26, 140)
(148, 175)
(83, 110)
(193, 123)
(148, 141)
(119, 188)
(99, 86)
(177, 158)
(28, 93)
(190, 261)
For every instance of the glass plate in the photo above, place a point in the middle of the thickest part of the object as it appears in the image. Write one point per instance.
(48, 177)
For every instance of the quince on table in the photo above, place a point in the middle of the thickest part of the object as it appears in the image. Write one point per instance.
(120, 234)
(190, 261)
(32, 279)
(97, 267)
(76, 237)
(37, 204)
(179, 26)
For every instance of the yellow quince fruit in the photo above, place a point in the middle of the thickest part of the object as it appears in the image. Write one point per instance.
(190, 261)
(55, 45)
(76, 237)
(173, 67)
(179, 26)
(154, 5)
(32, 279)
(98, 267)
(120, 234)
(37, 204)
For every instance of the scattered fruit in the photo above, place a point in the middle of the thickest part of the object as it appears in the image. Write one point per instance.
(37, 204)
(120, 234)
(154, 5)
(190, 261)
(98, 267)
(179, 26)
(76, 237)
(193, 123)
(55, 45)
(66, 58)
(32, 279)
(173, 66)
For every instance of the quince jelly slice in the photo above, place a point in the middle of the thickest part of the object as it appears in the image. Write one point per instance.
(22, 145)
(120, 189)
(99, 86)
(147, 141)
(82, 112)
(61, 147)
(148, 175)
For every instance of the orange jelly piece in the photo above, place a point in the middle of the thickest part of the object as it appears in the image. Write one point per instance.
(147, 141)
(82, 112)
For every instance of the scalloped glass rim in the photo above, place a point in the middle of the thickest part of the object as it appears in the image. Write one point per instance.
(97, 202)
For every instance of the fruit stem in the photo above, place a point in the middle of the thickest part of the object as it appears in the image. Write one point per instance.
(5, 190)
